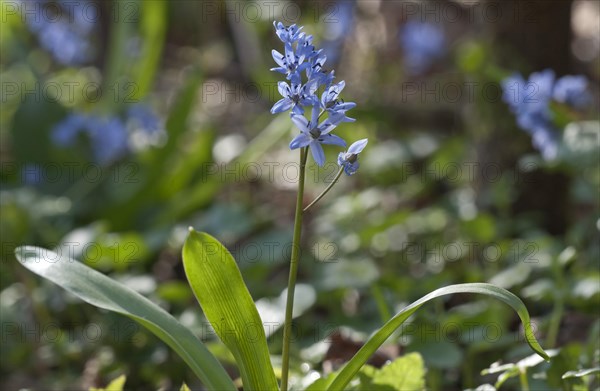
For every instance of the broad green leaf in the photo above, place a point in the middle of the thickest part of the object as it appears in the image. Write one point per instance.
(103, 292)
(381, 335)
(218, 285)
(406, 373)
(117, 384)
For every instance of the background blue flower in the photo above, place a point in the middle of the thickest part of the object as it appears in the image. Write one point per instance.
(107, 135)
(65, 35)
(422, 44)
(572, 90)
(530, 102)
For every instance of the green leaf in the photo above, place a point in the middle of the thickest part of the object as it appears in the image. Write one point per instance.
(218, 285)
(152, 28)
(103, 292)
(406, 373)
(377, 339)
(116, 385)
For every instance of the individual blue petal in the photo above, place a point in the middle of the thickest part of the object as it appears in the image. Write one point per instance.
(314, 117)
(298, 110)
(282, 105)
(358, 146)
(332, 139)
(279, 69)
(300, 122)
(344, 106)
(278, 57)
(351, 168)
(284, 89)
(317, 153)
(330, 123)
(300, 141)
(310, 87)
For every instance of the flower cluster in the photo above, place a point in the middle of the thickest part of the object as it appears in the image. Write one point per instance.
(302, 64)
(530, 101)
(109, 136)
(63, 28)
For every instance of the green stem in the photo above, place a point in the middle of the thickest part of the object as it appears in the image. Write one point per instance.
(339, 174)
(382, 306)
(289, 305)
(523, 379)
(553, 328)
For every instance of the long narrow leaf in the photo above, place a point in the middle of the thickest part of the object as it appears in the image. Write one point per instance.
(227, 304)
(104, 292)
(377, 339)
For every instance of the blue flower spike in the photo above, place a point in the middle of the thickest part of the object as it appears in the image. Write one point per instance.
(303, 64)
(530, 101)
(349, 160)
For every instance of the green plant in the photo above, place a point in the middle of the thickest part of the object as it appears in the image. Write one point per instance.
(216, 280)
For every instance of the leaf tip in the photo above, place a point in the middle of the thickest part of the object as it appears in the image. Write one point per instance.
(191, 229)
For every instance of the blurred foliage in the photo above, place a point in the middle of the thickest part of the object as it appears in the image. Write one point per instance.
(449, 191)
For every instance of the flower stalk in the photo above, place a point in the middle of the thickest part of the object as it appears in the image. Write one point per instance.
(302, 65)
(289, 305)
(338, 175)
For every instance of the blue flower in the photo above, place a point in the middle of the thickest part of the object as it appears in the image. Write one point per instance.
(422, 43)
(530, 102)
(544, 139)
(290, 64)
(144, 118)
(349, 159)
(300, 55)
(295, 97)
(65, 132)
(65, 35)
(288, 34)
(109, 138)
(314, 134)
(305, 47)
(315, 69)
(338, 28)
(572, 90)
(333, 105)
(107, 135)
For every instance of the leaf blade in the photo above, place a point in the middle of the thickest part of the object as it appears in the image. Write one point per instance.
(360, 358)
(101, 291)
(220, 289)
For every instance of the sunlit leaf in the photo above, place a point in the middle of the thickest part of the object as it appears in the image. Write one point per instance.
(218, 285)
(104, 292)
(406, 373)
(381, 335)
(117, 384)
